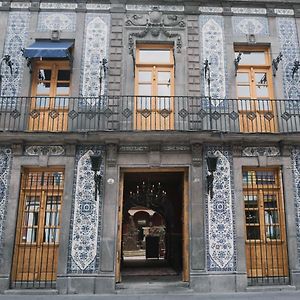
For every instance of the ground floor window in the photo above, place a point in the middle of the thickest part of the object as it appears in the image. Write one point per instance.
(266, 247)
(38, 227)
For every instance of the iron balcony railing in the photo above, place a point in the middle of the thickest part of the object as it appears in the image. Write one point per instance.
(146, 113)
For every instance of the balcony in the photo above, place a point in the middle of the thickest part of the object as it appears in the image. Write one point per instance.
(132, 113)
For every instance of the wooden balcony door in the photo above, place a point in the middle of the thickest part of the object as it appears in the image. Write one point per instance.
(38, 227)
(154, 88)
(50, 92)
(256, 104)
(266, 247)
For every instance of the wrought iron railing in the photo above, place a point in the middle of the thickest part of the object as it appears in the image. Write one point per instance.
(144, 113)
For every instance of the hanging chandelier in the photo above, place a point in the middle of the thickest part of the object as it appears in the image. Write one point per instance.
(147, 194)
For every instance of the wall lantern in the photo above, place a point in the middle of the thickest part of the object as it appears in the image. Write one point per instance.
(55, 35)
(7, 60)
(295, 68)
(96, 161)
(211, 161)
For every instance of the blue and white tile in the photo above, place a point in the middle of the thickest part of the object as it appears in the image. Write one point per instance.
(5, 168)
(212, 45)
(86, 214)
(16, 38)
(296, 174)
(250, 25)
(289, 44)
(221, 252)
(64, 21)
(95, 50)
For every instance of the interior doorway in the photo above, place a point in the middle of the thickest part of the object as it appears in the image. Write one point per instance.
(153, 230)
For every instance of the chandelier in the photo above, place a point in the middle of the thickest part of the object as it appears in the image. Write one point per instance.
(147, 194)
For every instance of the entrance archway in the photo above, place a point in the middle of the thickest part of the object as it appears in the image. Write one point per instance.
(152, 231)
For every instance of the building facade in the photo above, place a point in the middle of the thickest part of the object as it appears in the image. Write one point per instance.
(192, 112)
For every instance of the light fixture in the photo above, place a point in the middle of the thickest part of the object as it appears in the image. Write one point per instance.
(295, 67)
(251, 38)
(236, 62)
(211, 162)
(96, 161)
(275, 63)
(55, 35)
(7, 60)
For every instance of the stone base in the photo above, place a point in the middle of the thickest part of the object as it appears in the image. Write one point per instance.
(4, 283)
(295, 279)
(218, 283)
(85, 284)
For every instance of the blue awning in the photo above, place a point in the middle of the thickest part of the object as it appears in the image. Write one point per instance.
(48, 49)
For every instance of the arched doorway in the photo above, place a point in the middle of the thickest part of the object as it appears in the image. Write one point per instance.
(153, 225)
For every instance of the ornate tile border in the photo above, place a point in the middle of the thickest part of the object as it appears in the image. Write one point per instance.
(85, 231)
(210, 9)
(95, 49)
(20, 5)
(220, 220)
(97, 6)
(57, 21)
(261, 151)
(284, 12)
(150, 7)
(290, 49)
(52, 150)
(212, 43)
(250, 25)
(16, 37)
(55, 5)
(296, 173)
(5, 168)
(249, 11)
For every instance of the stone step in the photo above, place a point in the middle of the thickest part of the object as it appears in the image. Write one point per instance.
(271, 288)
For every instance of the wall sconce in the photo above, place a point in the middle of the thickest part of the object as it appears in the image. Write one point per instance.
(236, 62)
(211, 167)
(275, 63)
(251, 38)
(295, 68)
(96, 161)
(55, 35)
(7, 60)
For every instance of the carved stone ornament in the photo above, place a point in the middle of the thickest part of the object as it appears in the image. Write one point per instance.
(44, 150)
(196, 154)
(155, 23)
(112, 151)
(261, 151)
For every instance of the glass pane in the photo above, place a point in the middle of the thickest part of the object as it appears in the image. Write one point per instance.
(163, 90)
(271, 217)
(273, 232)
(262, 91)
(252, 58)
(164, 77)
(51, 235)
(31, 219)
(63, 75)
(145, 90)
(43, 89)
(243, 90)
(270, 201)
(265, 177)
(261, 78)
(42, 102)
(61, 102)
(162, 103)
(155, 56)
(253, 233)
(62, 89)
(242, 77)
(252, 217)
(248, 177)
(145, 76)
(250, 201)
(143, 102)
(44, 74)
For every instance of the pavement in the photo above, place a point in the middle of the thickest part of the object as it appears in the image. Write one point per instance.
(278, 295)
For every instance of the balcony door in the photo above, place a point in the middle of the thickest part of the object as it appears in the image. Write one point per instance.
(255, 91)
(50, 92)
(154, 88)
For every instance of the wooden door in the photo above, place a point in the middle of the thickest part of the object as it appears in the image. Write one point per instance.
(50, 91)
(154, 88)
(38, 226)
(266, 249)
(257, 111)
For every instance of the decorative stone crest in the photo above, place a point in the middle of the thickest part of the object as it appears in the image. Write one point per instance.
(196, 154)
(155, 24)
(112, 151)
(133, 148)
(86, 215)
(250, 25)
(220, 220)
(261, 151)
(44, 150)
(57, 21)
